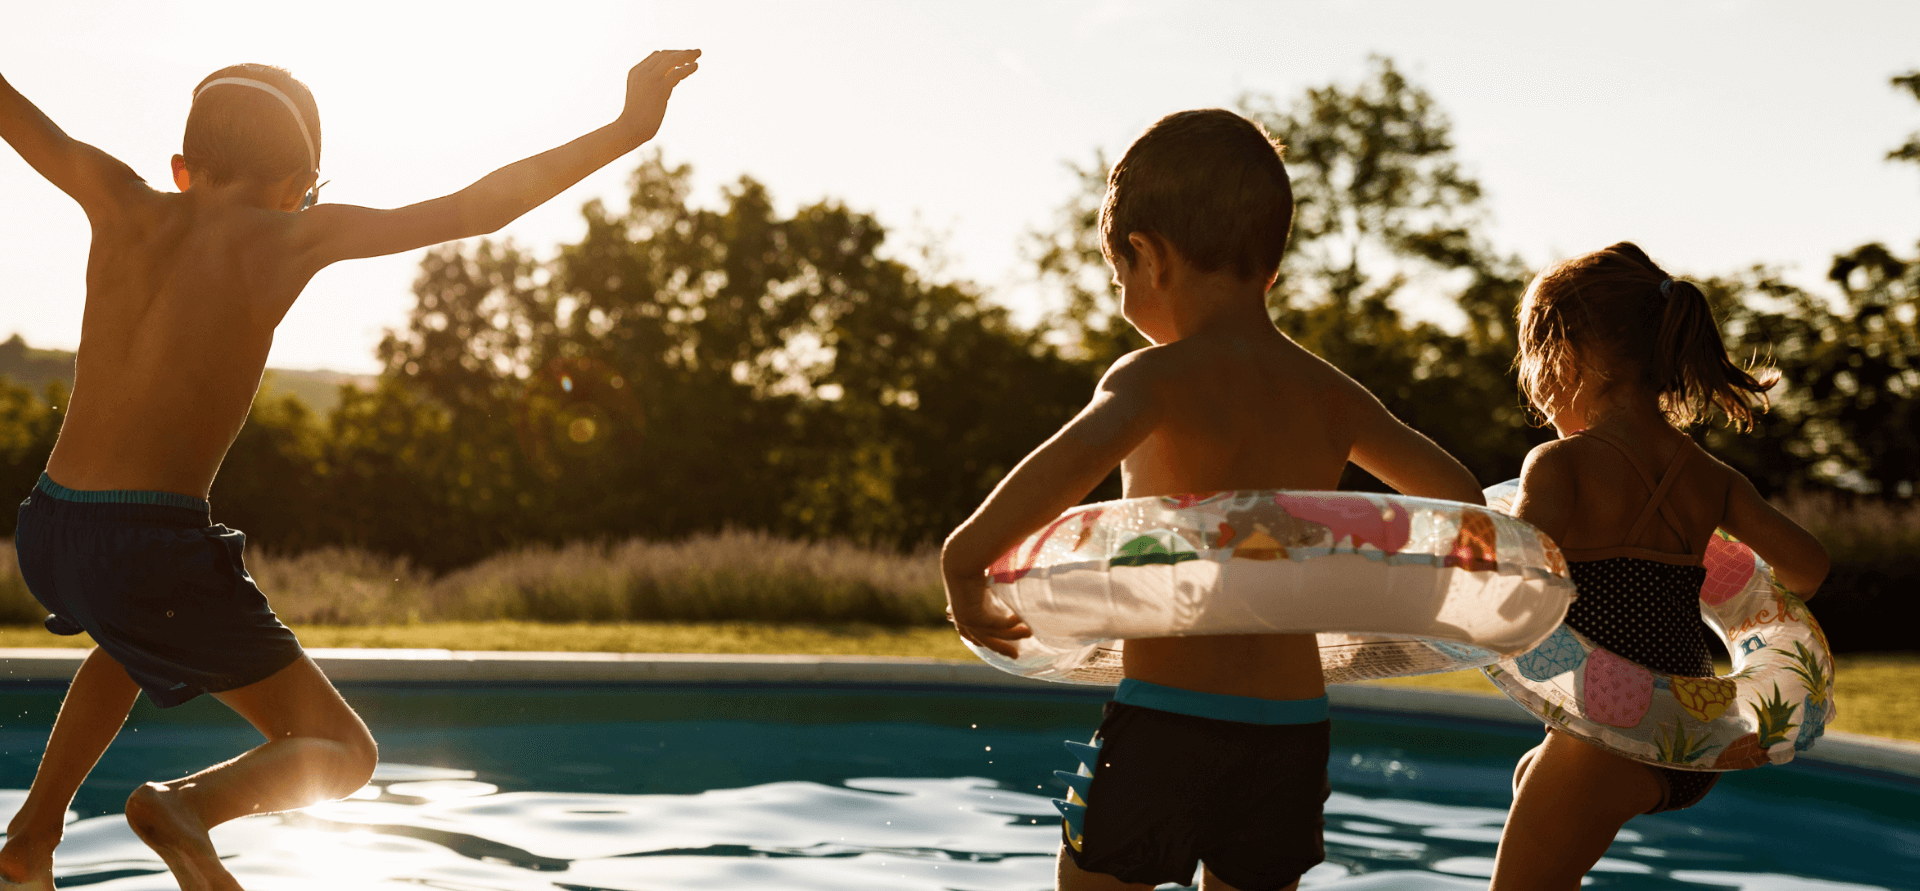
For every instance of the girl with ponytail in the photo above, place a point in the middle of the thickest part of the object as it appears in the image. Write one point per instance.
(1621, 358)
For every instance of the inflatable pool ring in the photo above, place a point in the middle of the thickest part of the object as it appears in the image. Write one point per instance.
(1391, 585)
(1777, 700)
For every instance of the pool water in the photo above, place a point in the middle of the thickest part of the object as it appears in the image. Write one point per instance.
(782, 787)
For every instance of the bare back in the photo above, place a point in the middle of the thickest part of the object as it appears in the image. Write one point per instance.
(1586, 493)
(1613, 489)
(1250, 410)
(182, 298)
(1254, 411)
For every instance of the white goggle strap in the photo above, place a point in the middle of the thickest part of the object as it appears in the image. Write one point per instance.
(312, 159)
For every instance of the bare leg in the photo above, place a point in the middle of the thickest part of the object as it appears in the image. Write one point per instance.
(1068, 876)
(1520, 768)
(1573, 798)
(95, 707)
(317, 749)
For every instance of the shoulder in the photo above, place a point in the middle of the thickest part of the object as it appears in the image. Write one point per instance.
(1146, 368)
(1721, 476)
(136, 207)
(1556, 461)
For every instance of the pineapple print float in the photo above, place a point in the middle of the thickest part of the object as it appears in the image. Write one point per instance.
(1774, 715)
(1777, 700)
(1615, 692)
(1560, 653)
(1703, 698)
(1817, 674)
(1730, 568)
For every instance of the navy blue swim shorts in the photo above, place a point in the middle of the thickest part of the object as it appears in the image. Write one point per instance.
(1176, 777)
(159, 587)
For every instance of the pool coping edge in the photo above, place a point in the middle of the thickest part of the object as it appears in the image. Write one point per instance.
(351, 666)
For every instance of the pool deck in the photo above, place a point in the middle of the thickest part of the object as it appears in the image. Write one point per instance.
(351, 666)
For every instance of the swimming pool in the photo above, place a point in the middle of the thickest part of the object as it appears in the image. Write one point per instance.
(741, 783)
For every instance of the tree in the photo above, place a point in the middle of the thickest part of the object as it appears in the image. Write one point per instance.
(274, 480)
(1847, 412)
(1910, 152)
(683, 368)
(29, 424)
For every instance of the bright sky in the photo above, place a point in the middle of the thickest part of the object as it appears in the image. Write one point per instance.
(1717, 134)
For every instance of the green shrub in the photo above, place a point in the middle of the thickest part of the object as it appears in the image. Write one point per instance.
(17, 607)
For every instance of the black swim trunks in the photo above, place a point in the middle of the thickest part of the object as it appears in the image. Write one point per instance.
(159, 587)
(1175, 778)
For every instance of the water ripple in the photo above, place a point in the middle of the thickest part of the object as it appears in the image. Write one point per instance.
(843, 791)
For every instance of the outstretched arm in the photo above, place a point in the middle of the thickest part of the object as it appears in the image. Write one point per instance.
(1053, 478)
(1798, 559)
(335, 232)
(88, 175)
(1404, 458)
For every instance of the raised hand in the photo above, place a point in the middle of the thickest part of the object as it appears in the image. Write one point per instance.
(649, 84)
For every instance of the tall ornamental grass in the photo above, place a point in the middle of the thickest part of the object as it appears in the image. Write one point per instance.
(755, 577)
(1858, 530)
(728, 576)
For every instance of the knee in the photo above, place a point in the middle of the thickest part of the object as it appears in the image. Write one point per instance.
(356, 757)
(363, 755)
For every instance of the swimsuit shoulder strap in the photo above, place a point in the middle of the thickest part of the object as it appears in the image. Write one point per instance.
(1621, 447)
(1657, 502)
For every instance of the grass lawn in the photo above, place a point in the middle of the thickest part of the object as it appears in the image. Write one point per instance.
(738, 638)
(1879, 693)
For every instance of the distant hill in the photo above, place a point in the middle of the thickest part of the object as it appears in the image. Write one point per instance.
(35, 369)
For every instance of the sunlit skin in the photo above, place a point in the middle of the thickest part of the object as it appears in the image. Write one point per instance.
(1571, 797)
(184, 290)
(1222, 400)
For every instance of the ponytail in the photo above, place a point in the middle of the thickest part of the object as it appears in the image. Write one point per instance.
(1633, 322)
(1691, 369)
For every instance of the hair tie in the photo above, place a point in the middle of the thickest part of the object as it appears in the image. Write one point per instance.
(1666, 287)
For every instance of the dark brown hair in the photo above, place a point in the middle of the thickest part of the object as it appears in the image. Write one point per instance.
(1211, 183)
(240, 133)
(1632, 322)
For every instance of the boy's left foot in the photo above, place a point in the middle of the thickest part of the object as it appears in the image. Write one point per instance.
(26, 864)
(175, 832)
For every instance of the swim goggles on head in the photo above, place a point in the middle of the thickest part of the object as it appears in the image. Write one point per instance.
(313, 161)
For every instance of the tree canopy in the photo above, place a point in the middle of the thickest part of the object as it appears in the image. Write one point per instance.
(683, 368)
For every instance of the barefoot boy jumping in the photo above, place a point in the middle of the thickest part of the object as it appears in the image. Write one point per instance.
(183, 293)
(1214, 749)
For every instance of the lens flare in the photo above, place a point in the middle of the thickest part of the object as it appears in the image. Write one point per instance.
(573, 410)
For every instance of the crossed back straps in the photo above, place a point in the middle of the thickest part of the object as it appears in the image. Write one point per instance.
(1656, 505)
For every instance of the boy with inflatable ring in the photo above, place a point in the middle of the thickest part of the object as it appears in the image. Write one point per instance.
(184, 290)
(1215, 748)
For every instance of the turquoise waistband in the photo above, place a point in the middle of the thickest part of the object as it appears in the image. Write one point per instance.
(119, 496)
(1221, 707)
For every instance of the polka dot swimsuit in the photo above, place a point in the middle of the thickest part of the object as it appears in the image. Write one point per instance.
(1647, 611)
